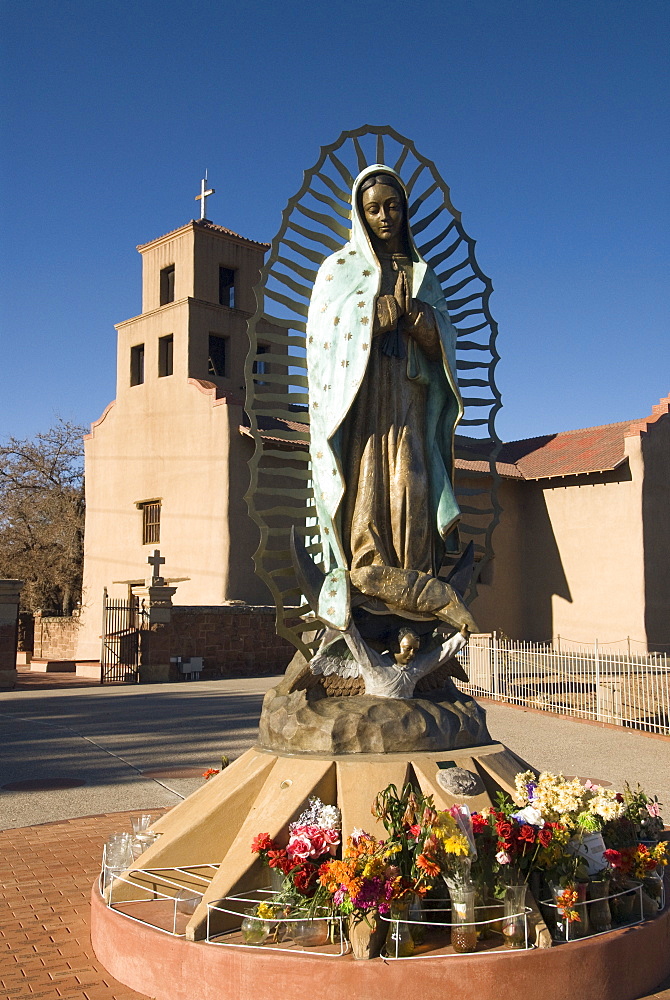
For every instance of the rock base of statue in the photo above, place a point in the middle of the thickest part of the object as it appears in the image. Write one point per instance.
(298, 718)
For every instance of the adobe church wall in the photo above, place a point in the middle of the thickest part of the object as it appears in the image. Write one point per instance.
(656, 531)
(568, 557)
(233, 640)
(597, 528)
(501, 597)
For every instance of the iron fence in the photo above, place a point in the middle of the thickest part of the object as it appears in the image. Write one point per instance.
(623, 688)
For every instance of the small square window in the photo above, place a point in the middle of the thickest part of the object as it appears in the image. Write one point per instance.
(227, 287)
(137, 364)
(165, 356)
(218, 360)
(167, 285)
(151, 522)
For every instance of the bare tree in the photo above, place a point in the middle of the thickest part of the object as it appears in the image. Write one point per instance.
(42, 516)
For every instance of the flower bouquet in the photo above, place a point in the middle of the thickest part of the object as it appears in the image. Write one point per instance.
(365, 883)
(644, 812)
(632, 866)
(298, 898)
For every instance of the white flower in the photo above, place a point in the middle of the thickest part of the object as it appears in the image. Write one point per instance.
(503, 858)
(530, 815)
(330, 818)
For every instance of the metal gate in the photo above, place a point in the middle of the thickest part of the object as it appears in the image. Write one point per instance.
(122, 622)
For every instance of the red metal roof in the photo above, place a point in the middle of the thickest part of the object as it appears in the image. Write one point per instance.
(569, 453)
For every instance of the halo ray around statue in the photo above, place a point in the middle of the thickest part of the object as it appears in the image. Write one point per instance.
(316, 223)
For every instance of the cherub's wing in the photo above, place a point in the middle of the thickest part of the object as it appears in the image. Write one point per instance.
(327, 663)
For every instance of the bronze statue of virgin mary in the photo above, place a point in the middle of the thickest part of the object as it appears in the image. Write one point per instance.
(384, 405)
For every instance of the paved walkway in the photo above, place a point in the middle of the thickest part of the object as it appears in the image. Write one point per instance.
(132, 747)
(46, 877)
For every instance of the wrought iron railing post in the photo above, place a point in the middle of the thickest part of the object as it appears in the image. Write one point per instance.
(496, 667)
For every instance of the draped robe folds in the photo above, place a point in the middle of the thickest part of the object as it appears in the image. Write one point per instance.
(381, 425)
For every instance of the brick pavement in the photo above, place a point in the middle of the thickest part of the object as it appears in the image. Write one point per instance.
(46, 874)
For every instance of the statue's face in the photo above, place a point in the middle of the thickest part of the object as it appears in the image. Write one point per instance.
(409, 644)
(383, 210)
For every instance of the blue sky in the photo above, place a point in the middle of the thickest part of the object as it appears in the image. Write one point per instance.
(547, 119)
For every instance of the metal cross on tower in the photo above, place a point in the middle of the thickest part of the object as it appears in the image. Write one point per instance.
(203, 196)
(156, 561)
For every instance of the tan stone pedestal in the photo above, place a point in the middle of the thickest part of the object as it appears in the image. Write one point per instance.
(264, 791)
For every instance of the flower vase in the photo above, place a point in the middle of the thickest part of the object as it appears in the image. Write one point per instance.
(582, 927)
(600, 917)
(399, 941)
(366, 934)
(567, 917)
(276, 879)
(310, 932)
(514, 916)
(621, 905)
(652, 886)
(463, 928)
(255, 931)
(417, 918)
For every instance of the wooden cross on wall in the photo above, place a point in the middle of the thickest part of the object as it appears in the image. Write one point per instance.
(203, 196)
(156, 561)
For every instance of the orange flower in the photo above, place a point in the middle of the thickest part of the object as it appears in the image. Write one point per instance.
(428, 866)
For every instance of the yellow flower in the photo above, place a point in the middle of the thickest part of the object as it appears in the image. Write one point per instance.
(375, 866)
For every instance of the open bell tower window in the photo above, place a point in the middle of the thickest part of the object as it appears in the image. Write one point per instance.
(227, 287)
(218, 356)
(167, 285)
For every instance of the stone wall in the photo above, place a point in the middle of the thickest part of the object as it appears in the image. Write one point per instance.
(55, 638)
(10, 593)
(233, 640)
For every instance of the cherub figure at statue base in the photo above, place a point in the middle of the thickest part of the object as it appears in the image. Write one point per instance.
(386, 674)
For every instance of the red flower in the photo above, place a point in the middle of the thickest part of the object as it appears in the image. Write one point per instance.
(414, 830)
(305, 878)
(479, 824)
(279, 859)
(527, 833)
(209, 773)
(263, 842)
(545, 837)
(504, 829)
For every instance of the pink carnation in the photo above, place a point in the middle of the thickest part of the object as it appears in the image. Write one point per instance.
(300, 846)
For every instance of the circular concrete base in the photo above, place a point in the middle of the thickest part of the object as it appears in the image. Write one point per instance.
(622, 965)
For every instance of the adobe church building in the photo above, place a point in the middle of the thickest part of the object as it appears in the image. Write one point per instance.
(166, 464)
(582, 549)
